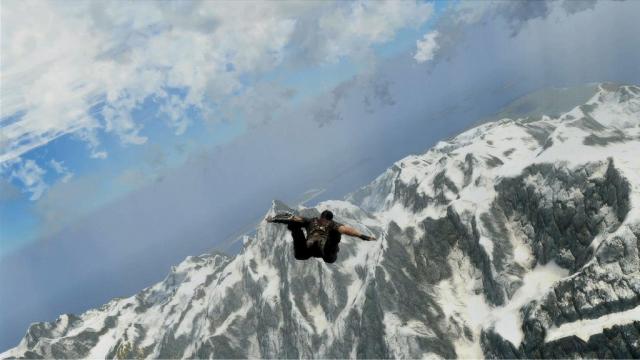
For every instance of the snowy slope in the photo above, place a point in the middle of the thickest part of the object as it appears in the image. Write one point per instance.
(517, 238)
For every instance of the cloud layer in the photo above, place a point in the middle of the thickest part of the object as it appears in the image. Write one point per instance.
(82, 67)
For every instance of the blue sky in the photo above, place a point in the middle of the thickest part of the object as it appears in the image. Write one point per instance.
(135, 134)
(20, 221)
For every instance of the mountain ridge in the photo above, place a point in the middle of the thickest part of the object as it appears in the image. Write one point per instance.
(498, 242)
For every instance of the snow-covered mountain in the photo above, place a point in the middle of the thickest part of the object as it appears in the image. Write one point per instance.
(517, 238)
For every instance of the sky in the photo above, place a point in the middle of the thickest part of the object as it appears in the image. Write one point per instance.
(134, 134)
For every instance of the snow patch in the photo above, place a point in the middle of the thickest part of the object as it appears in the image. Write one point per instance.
(222, 328)
(461, 300)
(507, 319)
(522, 253)
(586, 328)
(318, 316)
(396, 327)
(487, 244)
(610, 112)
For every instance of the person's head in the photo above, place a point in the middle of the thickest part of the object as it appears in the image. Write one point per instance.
(328, 215)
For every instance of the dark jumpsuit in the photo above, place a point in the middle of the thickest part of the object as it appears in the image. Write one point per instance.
(321, 241)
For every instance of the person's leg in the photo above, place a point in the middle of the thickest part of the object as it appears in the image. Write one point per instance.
(331, 248)
(299, 242)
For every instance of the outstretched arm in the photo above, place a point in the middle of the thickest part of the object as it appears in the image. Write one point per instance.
(286, 219)
(348, 230)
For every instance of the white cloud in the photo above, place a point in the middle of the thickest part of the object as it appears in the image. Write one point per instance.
(31, 176)
(427, 47)
(90, 137)
(175, 109)
(357, 25)
(119, 120)
(60, 169)
(65, 62)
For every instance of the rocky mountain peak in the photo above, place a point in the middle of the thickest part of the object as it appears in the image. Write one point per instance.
(517, 238)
